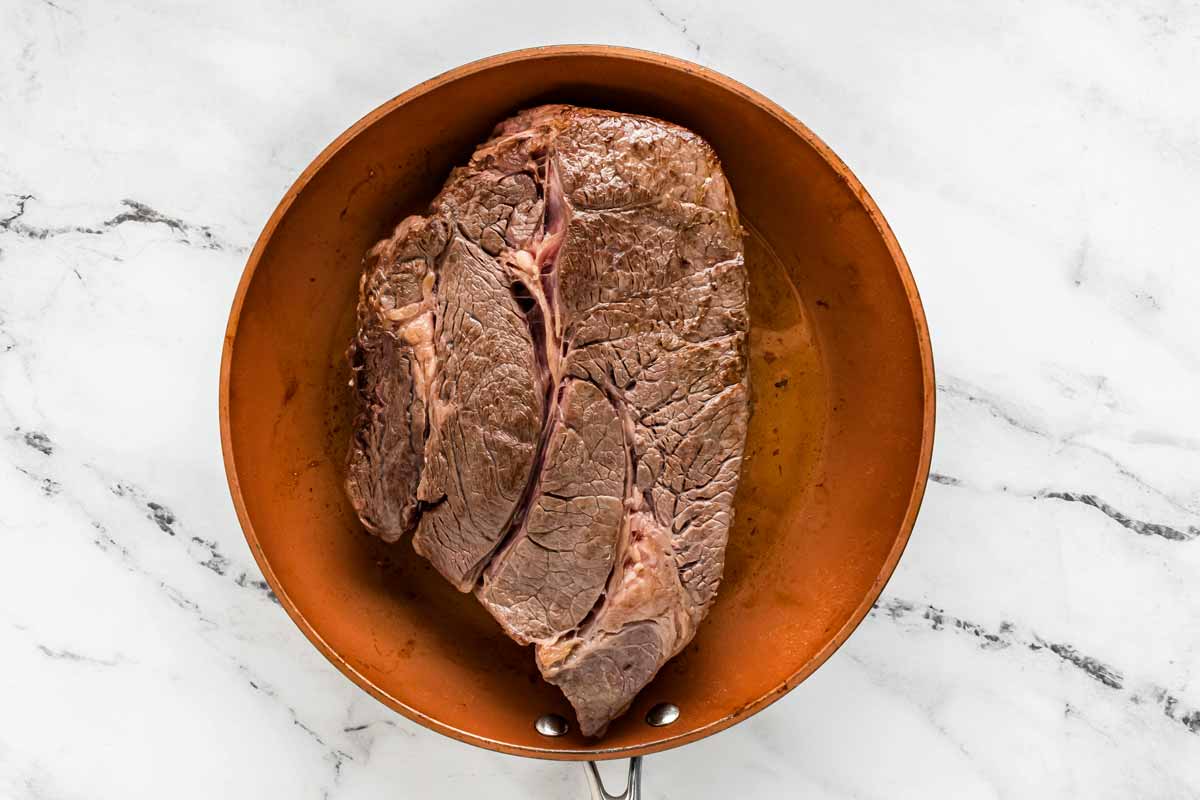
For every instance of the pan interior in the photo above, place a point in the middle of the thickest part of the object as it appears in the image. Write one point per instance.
(838, 437)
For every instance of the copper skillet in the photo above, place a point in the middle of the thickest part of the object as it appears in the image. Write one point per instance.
(839, 444)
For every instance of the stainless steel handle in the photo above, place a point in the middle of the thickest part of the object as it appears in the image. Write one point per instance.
(633, 789)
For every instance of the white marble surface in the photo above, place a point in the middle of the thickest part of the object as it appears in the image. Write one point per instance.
(1040, 163)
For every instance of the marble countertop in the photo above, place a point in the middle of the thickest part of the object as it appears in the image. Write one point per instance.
(1039, 163)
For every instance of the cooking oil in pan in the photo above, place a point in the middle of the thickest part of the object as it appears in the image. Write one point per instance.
(790, 406)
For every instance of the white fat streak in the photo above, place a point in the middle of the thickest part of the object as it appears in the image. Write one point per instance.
(415, 327)
(526, 264)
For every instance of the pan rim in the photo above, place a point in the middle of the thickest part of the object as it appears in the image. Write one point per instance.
(923, 342)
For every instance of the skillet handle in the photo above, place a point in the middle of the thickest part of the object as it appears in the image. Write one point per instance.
(633, 789)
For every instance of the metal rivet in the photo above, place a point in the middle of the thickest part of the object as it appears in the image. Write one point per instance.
(662, 714)
(550, 725)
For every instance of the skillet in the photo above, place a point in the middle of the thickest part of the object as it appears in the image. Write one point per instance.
(838, 450)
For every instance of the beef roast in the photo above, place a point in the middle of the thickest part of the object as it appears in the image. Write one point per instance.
(552, 373)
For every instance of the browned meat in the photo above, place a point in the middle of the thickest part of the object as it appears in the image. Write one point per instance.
(552, 372)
